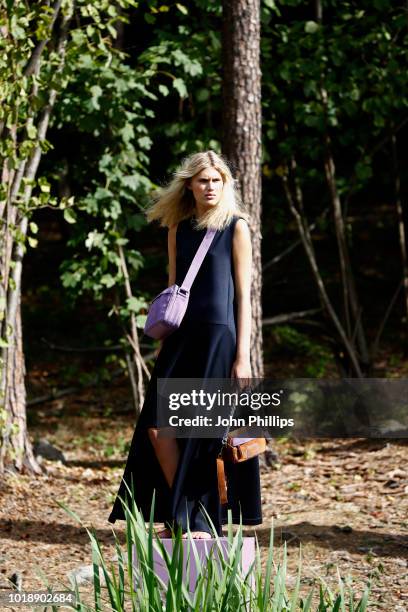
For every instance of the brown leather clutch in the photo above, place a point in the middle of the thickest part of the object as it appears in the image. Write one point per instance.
(236, 453)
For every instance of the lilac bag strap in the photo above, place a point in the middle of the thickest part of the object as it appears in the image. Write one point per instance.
(198, 259)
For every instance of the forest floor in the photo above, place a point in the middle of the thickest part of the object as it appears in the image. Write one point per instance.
(344, 501)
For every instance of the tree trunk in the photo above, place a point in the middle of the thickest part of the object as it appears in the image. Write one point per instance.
(16, 452)
(15, 448)
(402, 233)
(241, 139)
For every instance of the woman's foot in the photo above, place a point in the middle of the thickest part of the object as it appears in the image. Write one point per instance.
(164, 533)
(198, 535)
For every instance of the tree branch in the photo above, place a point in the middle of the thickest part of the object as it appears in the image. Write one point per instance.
(33, 64)
(290, 316)
(308, 246)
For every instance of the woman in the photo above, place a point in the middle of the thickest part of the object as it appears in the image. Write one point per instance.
(213, 341)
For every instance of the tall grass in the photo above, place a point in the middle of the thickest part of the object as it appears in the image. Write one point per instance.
(221, 585)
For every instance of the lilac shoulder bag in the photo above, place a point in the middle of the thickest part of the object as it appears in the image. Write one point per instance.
(167, 309)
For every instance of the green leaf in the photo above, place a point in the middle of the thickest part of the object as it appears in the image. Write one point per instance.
(33, 227)
(127, 132)
(108, 280)
(33, 242)
(145, 142)
(202, 95)
(70, 215)
(96, 92)
(182, 8)
(164, 90)
(94, 239)
(31, 131)
(135, 304)
(44, 185)
(311, 27)
(363, 170)
(181, 87)
(141, 321)
(270, 4)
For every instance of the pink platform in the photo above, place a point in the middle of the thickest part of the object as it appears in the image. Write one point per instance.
(203, 548)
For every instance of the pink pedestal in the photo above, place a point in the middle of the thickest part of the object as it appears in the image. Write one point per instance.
(203, 548)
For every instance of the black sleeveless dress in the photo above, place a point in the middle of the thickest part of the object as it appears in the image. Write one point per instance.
(204, 346)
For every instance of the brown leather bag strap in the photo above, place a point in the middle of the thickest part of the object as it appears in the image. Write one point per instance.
(222, 483)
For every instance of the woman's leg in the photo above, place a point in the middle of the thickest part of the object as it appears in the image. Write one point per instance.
(168, 455)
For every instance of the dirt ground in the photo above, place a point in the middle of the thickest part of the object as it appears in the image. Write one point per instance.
(343, 501)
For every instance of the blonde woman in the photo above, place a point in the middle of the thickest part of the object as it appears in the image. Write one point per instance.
(213, 341)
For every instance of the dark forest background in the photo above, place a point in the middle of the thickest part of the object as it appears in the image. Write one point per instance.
(120, 131)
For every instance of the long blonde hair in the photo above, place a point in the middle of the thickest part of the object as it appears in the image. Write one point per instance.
(175, 201)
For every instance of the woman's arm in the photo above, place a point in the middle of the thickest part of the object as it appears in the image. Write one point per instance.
(172, 253)
(242, 258)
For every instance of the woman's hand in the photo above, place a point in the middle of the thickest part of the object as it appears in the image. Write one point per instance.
(241, 370)
(159, 348)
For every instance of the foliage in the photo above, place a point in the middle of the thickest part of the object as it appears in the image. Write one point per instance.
(336, 100)
(297, 343)
(41, 46)
(111, 108)
(357, 53)
(112, 112)
(189, 41)
(27, 87)
(104, 104)
(221, 583)
(127, 109)
(135, 112)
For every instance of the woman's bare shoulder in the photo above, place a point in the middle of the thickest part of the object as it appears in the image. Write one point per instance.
(173, 230)
(241, 227)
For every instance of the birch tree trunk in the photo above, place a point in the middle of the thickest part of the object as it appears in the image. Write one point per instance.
(15, 436)
(15, 447)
